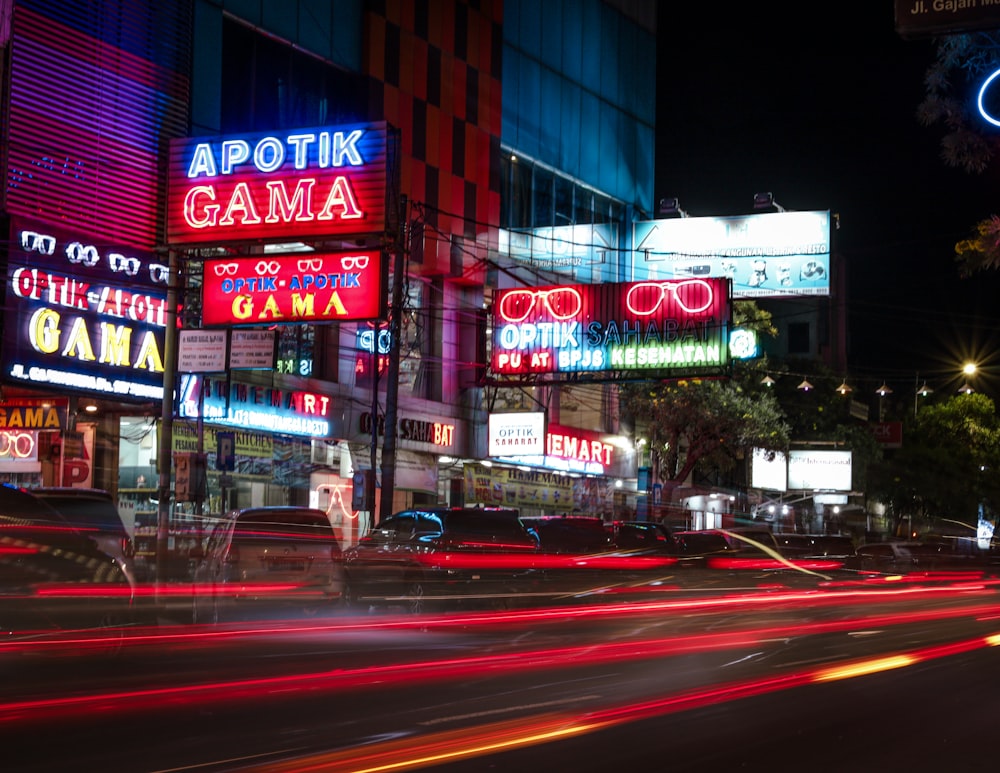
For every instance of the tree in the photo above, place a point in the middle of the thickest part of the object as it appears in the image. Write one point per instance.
(947, 465)
(706, 424)
(960, 61)
(981, 251)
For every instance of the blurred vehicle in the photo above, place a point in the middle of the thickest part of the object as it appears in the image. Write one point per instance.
(814, 545)
(95, 513)
(701, 542)
(473, 555)
(791, 545)
(697, 547)
(282, 555)
(643, 537)
(832, 546)
(908, 556)
(569, 533)
(755, 540)
(54, 577)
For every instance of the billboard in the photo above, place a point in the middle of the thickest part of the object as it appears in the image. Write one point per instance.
(826, 470)
(672, 327)
(84, 316)
(304, 183)
(769, 470)
(769, 255)
(585, 252)
(305, 287)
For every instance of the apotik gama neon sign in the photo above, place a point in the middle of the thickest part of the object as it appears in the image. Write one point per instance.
(327, 181)
(677, 326)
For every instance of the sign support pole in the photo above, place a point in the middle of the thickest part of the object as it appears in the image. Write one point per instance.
(164, 456)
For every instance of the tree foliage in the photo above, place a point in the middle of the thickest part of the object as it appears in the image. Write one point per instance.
(960, 61)
(947, 465)
(701, 423)
(981, 251)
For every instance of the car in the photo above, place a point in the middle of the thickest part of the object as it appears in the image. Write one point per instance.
(94, 512)
(259, 558)
(569, 533)
(643, 537)
(425, 558)
(794, 545)
(700, 543)
(751, 540)
(832, 546)
(908, 556)
(54, 578)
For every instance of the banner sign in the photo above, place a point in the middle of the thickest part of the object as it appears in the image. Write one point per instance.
(83, 316)
(510, 487)
(307, 183)
(29, 413)
(664, 327)
(283, 289)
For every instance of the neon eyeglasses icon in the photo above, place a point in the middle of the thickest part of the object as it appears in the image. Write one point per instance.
(19, 445)
(563, 303)
(692, 295)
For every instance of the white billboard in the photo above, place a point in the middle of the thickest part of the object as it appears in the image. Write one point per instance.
(768, 255)
(769, 470)
(826, 470)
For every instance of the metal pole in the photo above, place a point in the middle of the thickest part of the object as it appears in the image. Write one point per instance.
(164, 458)
(392, 383)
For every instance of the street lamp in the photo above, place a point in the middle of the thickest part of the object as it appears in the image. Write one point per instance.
(922, 391)
(969, 369)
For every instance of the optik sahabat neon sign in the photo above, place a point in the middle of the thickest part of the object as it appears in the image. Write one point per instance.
(671, 326)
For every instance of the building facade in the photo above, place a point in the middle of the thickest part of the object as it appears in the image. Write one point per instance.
(512, 145)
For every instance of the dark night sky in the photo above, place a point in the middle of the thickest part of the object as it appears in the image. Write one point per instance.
(817, 104)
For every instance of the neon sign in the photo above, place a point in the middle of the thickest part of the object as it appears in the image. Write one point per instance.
(310, 182)
(979, 100)
(17, 445)
(251, 407)
(678, 326)
(292, 289)
(570, 449)
(88, 318)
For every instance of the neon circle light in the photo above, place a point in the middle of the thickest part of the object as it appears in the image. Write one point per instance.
(979, 100)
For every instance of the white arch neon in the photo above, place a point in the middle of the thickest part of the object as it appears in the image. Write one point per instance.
(979, 100)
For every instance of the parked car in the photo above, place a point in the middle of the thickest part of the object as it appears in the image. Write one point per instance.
(54, 577)
(815, 545)
(908, 556)
(94, 512)
(643, 537)
(271, 556)
(755, 540)
(794, 545)
(427, 557)
(832, 546)
(569, 534)
(701, 542)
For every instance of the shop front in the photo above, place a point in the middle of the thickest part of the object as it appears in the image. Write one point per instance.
(82, 349)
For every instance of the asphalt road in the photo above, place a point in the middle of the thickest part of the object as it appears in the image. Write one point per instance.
(751, 673)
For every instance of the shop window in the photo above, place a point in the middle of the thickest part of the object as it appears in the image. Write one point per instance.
(543, 198)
